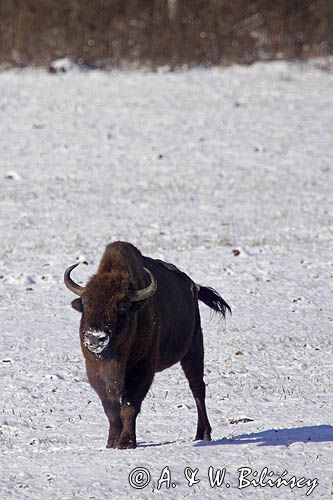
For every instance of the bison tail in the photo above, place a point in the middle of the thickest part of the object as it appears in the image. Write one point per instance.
(212, 299)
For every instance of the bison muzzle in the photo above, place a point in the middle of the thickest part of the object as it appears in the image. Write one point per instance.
(139, 316)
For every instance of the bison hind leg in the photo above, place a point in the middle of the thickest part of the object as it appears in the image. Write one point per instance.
(203, 428)
(192, 365)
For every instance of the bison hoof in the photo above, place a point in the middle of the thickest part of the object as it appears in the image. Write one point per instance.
(203, 436)
(112, 443)
(126, 444)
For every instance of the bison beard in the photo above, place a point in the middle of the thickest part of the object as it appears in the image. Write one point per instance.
(140, 316)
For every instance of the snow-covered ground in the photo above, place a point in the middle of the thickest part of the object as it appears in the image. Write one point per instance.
(190, 167)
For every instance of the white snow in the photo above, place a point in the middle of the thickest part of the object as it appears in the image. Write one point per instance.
(188, 166)
(12, 175)
(61, 65)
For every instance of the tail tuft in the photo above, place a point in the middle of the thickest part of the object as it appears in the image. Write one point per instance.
(213, 299)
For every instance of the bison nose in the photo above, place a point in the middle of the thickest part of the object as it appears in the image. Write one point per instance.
(96, 341)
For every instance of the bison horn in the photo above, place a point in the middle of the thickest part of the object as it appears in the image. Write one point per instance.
(71, 285)
(147, 292)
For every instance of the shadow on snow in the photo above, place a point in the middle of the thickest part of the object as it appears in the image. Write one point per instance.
(143, 444)
(276, 437)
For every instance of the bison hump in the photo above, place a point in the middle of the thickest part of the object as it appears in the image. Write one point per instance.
(170, 267)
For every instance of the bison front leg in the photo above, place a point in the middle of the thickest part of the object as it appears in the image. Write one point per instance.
(112, 411)
(136, 388)
(129, 412)
(109, 396)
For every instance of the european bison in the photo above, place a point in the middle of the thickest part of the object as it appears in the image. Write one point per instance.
(140, 316)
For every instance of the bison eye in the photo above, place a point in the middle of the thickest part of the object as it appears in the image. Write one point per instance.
(122, 308)
(108, 329)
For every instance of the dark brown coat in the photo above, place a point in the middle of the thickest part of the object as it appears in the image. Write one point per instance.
(125, 341)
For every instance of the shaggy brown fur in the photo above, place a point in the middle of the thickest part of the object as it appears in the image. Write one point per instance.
(144, 337)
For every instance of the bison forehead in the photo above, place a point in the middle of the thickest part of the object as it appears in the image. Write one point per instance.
(102, 305)
(111, 284)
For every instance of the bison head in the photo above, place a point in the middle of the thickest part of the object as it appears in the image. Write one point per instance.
(107, 303)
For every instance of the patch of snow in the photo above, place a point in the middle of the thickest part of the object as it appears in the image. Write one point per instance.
(61, 65)
(12, 175)
(188, 166)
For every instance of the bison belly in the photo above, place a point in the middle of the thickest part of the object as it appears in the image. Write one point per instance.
(178, 318)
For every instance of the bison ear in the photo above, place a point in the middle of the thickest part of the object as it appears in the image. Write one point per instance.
(77, 305)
